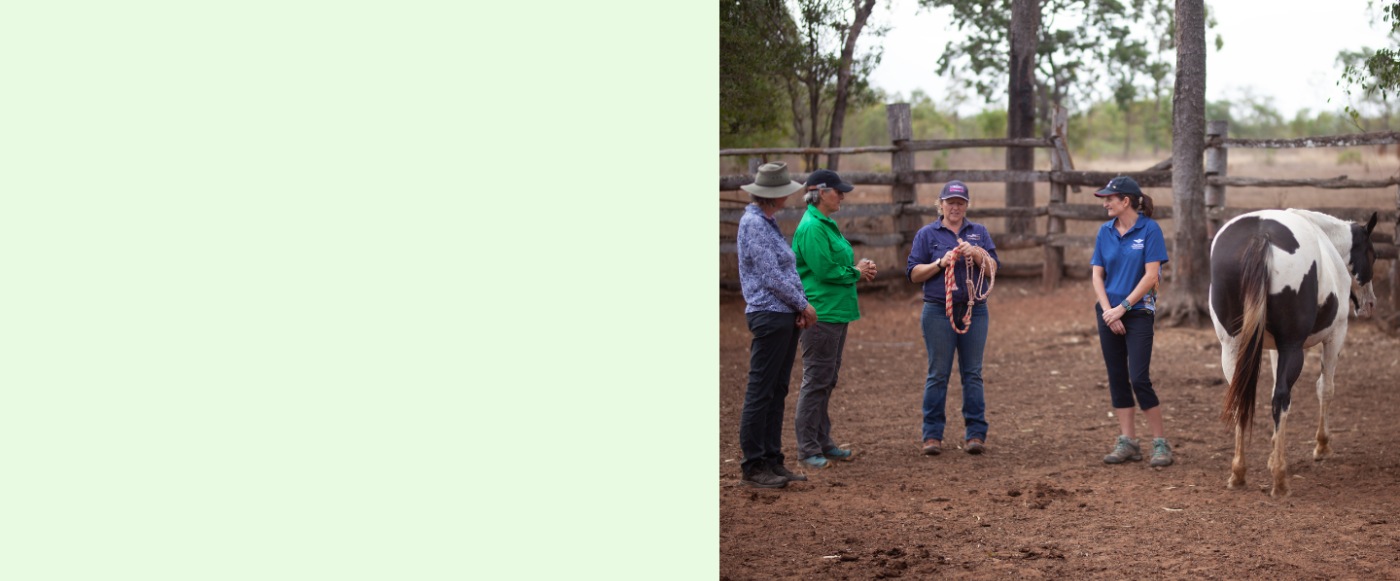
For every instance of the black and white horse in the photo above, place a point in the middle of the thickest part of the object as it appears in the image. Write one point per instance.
(1278, 281)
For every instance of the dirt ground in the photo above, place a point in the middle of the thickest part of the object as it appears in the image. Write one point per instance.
(1041, 503)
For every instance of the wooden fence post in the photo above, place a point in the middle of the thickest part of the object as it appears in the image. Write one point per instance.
(1217, 162)
(1395, 263)
(1055, 255)
(754, 162)
(904, 192)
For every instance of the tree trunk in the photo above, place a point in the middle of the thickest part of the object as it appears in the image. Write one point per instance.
(1127, 131)
(843, 79)
(1020, 107)
(1187, 301)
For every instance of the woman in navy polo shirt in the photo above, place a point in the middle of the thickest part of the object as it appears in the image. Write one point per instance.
(932, 252)
(1128, 257)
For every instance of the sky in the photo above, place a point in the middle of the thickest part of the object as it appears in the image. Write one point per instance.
(1284, 49)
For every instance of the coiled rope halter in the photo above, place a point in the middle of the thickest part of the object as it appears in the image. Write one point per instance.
(975, 291)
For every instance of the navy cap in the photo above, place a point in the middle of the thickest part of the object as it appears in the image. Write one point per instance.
(826, 178)
(1119, 185)
(954, 189)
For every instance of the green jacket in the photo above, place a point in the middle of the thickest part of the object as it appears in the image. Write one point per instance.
(826, 264)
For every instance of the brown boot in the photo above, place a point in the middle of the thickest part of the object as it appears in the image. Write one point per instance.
(974, 446)
(932, 447)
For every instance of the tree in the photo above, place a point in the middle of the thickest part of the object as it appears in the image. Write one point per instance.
(1068, 59)
(1374, 98)
(1020, 106)
(1126, 59)
(843, 78)
(757, 47)
(1374, 72)
(1187, 302)
(822, 27)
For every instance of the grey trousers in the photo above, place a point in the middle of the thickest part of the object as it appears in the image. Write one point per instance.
(822, 345)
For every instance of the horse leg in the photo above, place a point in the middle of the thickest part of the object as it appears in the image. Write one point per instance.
(1237, 466)
(1325, 388)
(1288, 364)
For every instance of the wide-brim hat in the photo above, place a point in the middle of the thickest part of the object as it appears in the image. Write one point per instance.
(772, 181)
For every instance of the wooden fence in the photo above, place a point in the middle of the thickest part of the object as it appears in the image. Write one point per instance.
(908, 215)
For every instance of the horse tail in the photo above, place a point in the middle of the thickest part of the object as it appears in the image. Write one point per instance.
(1254, 283)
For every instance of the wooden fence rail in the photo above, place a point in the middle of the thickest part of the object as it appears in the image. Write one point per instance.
(908, 214)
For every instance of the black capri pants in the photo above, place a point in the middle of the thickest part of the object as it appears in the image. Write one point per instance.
(1129, 358)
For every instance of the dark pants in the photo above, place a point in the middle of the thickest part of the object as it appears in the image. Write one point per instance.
(1129, 358)
(943, 343)
(770, 370)
(822, 345)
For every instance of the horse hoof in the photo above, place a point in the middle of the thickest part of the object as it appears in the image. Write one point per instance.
(1232, 484)
(1321, 454)
(1280, 492)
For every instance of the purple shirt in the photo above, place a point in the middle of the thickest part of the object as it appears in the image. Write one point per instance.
(767, 266)
(933, 241)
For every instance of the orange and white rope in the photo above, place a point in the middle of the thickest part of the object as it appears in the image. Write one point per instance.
(975, 292)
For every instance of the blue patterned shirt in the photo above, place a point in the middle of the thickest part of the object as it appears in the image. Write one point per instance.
(767, 266)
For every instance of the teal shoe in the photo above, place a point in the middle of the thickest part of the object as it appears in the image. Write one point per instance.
(817, 462)
(839, 454)
(1161, 453)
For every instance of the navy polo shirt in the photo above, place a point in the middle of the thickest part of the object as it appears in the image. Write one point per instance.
(1124, 259)
(933, 241)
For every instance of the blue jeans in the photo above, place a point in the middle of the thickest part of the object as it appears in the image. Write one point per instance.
(942, 341)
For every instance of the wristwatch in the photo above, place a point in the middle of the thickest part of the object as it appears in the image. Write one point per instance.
(1127, 305)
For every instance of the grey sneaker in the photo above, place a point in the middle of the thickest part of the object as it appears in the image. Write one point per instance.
(1161, 452)
(1125, 450)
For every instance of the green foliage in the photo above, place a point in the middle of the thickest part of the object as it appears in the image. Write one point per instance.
(756, 47)
(1349, 157)
(779, 62)
(1375, 74)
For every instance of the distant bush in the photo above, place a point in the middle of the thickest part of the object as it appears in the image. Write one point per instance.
(1349, 157)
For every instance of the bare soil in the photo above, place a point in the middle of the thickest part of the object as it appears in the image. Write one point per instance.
(1041, 503)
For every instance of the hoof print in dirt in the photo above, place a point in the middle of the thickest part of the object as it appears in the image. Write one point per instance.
(891, 569)
(835, 483)
(1013, 493)
(766, 498)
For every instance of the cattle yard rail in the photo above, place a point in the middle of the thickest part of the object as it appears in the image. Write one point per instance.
(908, 214)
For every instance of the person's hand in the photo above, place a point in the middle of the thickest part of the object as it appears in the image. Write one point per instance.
(1113, 315)
(947, 259)
(1117, 328)
(808, 316)
(867, 269)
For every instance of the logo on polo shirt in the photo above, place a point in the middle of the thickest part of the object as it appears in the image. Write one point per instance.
(974, 236)
(1137, 244)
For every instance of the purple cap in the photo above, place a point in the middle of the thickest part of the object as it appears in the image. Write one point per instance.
(954, 189)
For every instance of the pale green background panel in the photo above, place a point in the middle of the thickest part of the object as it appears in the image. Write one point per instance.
(287, 297)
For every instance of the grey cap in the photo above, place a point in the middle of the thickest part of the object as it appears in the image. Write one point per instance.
(772, 181)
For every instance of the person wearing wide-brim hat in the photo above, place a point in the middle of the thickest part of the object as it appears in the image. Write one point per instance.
(1129, 251)
(829, 271)
(777, 309)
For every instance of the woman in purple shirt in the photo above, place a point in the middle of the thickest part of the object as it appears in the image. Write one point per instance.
(777, 308)
(931, 254)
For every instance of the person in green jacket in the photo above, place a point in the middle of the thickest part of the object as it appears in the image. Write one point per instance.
(826, 264)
